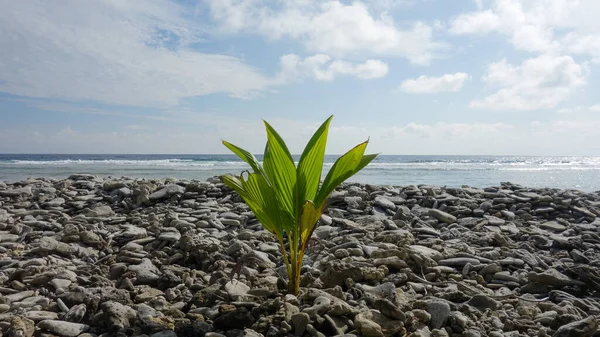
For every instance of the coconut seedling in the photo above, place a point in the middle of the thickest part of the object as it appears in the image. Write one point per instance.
(288, 200)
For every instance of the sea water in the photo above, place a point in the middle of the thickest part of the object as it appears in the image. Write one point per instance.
(581, 173)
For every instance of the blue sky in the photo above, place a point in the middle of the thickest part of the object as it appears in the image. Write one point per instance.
(414, 76)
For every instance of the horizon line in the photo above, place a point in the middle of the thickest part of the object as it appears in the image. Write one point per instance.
(231, 154)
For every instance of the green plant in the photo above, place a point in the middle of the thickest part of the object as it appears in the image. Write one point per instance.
(289, 199)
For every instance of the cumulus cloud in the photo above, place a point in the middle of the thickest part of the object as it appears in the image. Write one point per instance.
(537, 83)
(328, 27)
(569, 110)
(476, 23)
(140, 54)
(562, 26)
(427, 84)
(114, 52)
(323, 68)
(595, 107)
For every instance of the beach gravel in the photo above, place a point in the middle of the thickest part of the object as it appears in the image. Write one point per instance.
(93, 256)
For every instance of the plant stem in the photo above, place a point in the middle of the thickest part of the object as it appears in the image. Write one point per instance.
(294, 280)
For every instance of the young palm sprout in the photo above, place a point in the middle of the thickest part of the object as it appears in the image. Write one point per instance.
(289, 199)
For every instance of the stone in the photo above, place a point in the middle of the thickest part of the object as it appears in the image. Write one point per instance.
(442, 216)
(385, 203)
(299, 322)
(459, 262)
(146, 272)
(146, 294)
(494, 221)
(56, 202)
(553, 226)
(439, 311)
(76, 313)
(400, 237)
(239, 318)
(586, 327)
(551, 277)
(63, 328)
(320, 306)
(15, 192)
(337, 273)
(422, 251)
(100, 211)
(166, 333)
(167, 192)
(170, 235)
(483, 302)
(367, 327)
(38, 315)
(236, 289)
(21, 327)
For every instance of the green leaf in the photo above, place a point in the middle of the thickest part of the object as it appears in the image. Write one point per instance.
(310, 165)
(343, 168)
(366, 159)
(245, 156)
(280, 169)
(253, 191)
(234, 183)
(309, 216)
(255, 199)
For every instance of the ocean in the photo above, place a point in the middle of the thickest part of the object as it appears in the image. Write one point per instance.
(581, 173)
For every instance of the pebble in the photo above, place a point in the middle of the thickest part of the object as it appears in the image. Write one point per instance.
(63, 328)
(171, 257)
(439, 311)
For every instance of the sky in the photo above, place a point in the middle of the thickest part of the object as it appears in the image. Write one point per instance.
(464, 77)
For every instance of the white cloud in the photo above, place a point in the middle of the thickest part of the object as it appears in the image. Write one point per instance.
(566, 26)
(595, 108)
(583, 44)
(577, 109)
(569, 110)
(328, 27)
(323, 68)
(114, 52)
(538, 83)
(426, 84)
(66, 132)
(475, 23)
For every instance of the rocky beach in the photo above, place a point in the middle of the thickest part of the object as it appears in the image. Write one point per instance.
(89, 256)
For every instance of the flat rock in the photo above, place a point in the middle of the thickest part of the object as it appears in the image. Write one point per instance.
(551, 277)
(99, 211)
(385, 203)
(146, 271)
(553, 226)
(167, 191)
(459, 261)
(425, 251)
(23, 191)
(586, 327)
(442, 216)
(63, 328)
(38, 315)
(494, 221)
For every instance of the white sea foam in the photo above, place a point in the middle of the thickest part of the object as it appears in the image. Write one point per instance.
(564, 172)
(500, 164)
